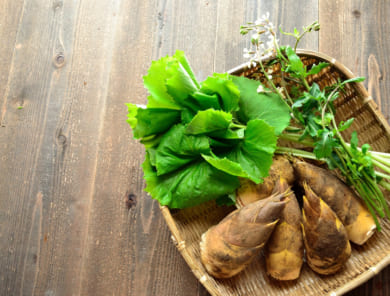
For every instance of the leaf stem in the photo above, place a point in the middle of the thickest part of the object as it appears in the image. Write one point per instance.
(296, 139)
(380, 165)
(295, 152)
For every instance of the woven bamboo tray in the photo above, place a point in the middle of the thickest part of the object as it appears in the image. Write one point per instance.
(188, 225)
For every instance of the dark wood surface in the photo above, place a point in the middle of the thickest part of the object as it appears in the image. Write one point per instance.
(74, 219)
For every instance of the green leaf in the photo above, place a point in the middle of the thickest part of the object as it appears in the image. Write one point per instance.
(354, 140)
(151, 141)
(209, 121)
(324, 147)
(187, 115)
(317, 68)
(179, 83)
(255, 152)
(344, 125)
(355, 79)
(327, 118)
(176, 149)
(151, 121)
(188, 186)
(154, 82)
(334, 162)
(170, 80)
(365, 148)
(269, 107)
(296, 65)
(226, 165)
(180, 56)
(223, 86)
(151, 154)
(221, 143)
(316, 92)
(132, 115)
(311, 125)
(205, 101)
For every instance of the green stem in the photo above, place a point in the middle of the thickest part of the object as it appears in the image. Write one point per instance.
(295, 152)
(381, 154)
(380, 165)
(368, 202)
(326, 106)
(235, 125)
(385, 184)
(269, 80)
(305, 84)
(296, 139)
(272, 84)
(293, 129)
(382, 175)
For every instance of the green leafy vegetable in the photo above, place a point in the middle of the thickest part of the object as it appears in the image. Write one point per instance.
(255, 153)
(267, 106)
(227, 91)
(209, 121)
(200, 138)
(226, 165)
(188, 186)
(176, 149)
(146, 122)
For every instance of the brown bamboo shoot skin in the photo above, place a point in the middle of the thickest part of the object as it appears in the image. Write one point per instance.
(284, 250)
(357, 220)
(228, 247)
(325, 237)
(249, 191)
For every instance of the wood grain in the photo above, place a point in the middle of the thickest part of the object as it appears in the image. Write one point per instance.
(74, 219)
(356, 33)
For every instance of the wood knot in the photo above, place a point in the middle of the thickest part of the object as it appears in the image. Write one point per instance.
(131, 200)
(356, 13)
(59, 60)
(61, 139)
(57, 4)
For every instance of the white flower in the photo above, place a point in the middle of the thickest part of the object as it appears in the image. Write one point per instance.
(270, 25)
(265, 16)
(263, 19)
(251, 63)
(260, 89)
(281, 92)
(246, 54)
(270, 42)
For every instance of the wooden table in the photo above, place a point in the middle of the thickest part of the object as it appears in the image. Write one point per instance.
(74, 219)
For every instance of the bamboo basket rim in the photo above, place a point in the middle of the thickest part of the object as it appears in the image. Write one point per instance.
(367, 99)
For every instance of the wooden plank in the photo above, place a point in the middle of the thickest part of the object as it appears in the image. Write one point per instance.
(10, 12)
(356, 34)
(59, 75)
(129, 249)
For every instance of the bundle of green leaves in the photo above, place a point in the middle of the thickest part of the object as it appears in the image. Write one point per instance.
(201, 138)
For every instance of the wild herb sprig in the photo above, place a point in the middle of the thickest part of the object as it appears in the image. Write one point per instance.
(313, 114)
